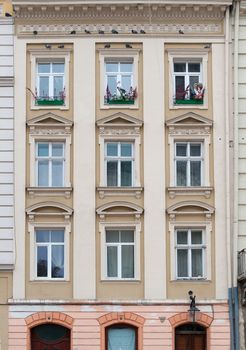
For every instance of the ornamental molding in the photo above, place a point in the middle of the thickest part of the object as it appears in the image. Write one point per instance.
(119, 131)
(119, 11)
(43, 132)
(52, 30)
(187, 130)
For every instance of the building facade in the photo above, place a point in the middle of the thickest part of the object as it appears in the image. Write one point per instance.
(122, 194)
(7, 250)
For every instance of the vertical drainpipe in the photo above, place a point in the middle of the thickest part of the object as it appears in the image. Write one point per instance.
(235, 176)
(227, 185)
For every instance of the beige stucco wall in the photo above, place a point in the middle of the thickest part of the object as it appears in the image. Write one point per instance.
(6, 285)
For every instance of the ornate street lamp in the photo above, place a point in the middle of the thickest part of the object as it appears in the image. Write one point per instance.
(193, 310)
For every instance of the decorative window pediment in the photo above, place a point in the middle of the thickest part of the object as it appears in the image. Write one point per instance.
(190, 229)
(189, 130)
(49, 209)
(190, 208)
(50, 142)
(119, 131)
(119, 208)
(49, 226)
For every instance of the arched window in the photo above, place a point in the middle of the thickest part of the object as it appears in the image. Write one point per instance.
(190, 336)
(121, 337)
(50, 337)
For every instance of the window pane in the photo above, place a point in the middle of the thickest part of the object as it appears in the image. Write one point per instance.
(182, 237)
(57, 149)
(111, 67)
(43, 149)
(195, 150)
(42, 262)
(112, 263)
(179, 67)
(181, 150)
(112, 84)
(42, 236)
(112, 236)
(182, 262)
(126, 173)
(121, 338)
(43, 173)
(196, 258)
(195, 173)
(127, 261)
(127, 236)
(44, 86)
(126, 149)
(57, 265)
(194, 80)
(112, 149)
(181, 173)
(57, 236)
(57, 173)
(194, 67)
(126, 67)
(126, 82)
(180, 88)
(43, 67)
(58, 86)
(58, 67)
(112, 173)
(196, 237)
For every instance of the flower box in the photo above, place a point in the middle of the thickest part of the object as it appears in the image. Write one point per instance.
(47, 102)
(188, 102)
(120, 102)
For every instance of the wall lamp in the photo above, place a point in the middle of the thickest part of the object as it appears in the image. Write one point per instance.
(193, 310)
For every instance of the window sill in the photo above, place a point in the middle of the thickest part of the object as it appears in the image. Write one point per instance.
(49, 280)
(121, 280)
(49, 191)
(119, 106)
(37, 107)
(192, 191)
(183, 280)
(119, 191)
(188, 106)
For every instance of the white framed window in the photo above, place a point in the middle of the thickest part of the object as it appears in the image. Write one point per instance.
(119, 81)
(50, 161)
(120, 251)
(187, 81)
(49, 83)
(50, 80)
(188, 161)
(118, 78)
(188, 78)
(190, 253)
(49, 253)
(119, 163)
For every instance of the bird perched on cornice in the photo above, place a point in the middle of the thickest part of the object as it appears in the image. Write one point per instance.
(101, 31)
(181, 31)
(134, 31)
(142, 31)
(114, 31)
(87, 31)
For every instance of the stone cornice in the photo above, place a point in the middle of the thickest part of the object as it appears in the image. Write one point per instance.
(119, 11)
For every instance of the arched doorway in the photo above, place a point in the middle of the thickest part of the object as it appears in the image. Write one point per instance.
(190, 336)
(50, 337)
(121, 337)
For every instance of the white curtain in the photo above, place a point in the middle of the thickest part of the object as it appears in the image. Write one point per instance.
(121, 339)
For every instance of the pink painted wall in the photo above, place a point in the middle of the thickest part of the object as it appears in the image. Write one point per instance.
(87, 326)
